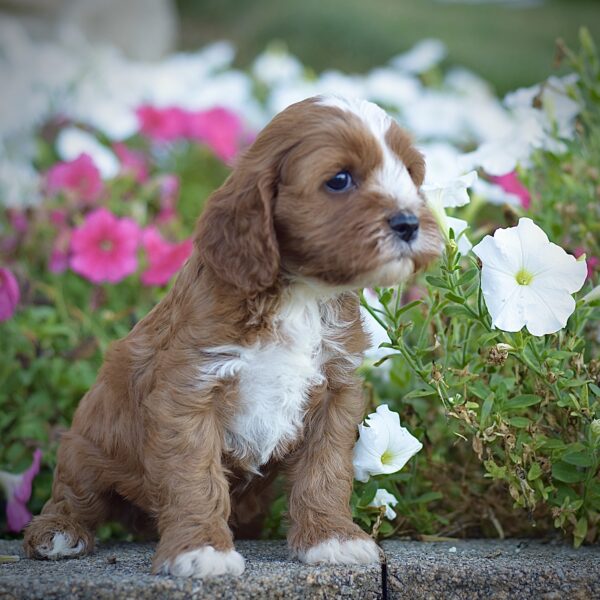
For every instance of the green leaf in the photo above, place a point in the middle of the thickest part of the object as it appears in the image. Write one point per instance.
(562, 471)
(519, 422)
(407, 307)
(580, 531)
(486, 409)
(535, 471)
(436, 281)
(427, 497)
(468, 276)
(522, 401)
(579, 459)
(455, 298)
(594, 389)
(368, 493)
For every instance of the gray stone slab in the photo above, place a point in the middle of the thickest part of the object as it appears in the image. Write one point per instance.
(476, 569)
(119, 571)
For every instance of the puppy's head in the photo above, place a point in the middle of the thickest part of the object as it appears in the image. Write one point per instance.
(329, 193)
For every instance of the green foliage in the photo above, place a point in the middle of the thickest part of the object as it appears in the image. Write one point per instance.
(528, 408)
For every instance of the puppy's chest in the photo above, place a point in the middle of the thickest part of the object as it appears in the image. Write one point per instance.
(273, 381)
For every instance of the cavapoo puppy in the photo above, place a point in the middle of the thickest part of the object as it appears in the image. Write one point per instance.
(246, 367)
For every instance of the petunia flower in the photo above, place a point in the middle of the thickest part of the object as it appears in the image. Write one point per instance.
(384, 498)
(79, 178)
(73, 142)
(592, 262)
(219, 128)
(9, 294)
(59, 255)
(132, 162)
(162, 124)
(104, 247)
(17, 490)
(450, 194)
(169, 195)
(510, 183)
(383, 446)
(165, 258)
(527, 281)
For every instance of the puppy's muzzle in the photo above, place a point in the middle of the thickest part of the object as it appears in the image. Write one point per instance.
(405, 225)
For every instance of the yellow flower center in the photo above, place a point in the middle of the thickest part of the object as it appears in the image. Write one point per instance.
(387, 457)
(524, 277)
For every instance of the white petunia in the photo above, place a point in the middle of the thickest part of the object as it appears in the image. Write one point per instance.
(450, 194)
(72, 142)
(276, 65)
(384, 498)
(527, 280)
(383, 446)
(423, 56)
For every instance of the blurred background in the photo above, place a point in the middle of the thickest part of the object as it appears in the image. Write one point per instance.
(508, 42)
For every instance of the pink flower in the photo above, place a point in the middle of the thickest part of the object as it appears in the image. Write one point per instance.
(17, 489)
(162, 124)
(104, 248)
(79, 178)
(164, 258)
(220, 129)
(132, 162)
(59, 256)
(9, 294)
(169, 194)
(510, 183)
(591, 261)
(18, 220)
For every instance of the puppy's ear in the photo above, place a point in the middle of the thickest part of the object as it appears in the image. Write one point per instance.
(235, 235)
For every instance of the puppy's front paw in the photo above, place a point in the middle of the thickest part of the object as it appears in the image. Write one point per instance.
(59, 545)
(358, 551)
(205, 562)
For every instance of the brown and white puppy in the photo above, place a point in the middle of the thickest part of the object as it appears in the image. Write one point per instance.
(247, 365)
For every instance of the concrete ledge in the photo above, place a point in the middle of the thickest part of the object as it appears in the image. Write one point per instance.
(463, 569)
(119, 571)
(515, 569)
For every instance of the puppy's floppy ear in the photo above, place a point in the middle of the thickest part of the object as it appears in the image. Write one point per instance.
(235, 235)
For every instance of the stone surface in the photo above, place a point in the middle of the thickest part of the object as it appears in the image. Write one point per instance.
(119, 571)
(491, 569)
(416, 570)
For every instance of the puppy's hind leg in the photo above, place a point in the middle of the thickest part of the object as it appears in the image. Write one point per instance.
(79, 502)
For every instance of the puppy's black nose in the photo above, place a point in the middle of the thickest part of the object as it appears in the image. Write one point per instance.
(405, 225)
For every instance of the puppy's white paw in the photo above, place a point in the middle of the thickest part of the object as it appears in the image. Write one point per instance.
(61, 546)
(205, 562)
(346, 552)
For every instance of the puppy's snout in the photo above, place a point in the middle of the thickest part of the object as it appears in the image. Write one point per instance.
(405, 225)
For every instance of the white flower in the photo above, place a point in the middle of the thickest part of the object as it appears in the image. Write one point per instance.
(384, 498)
(72, 142)
(592, 295)
(383, 446)
(495, 194)
(421, 57)
(451, 194)
(527, 280)
(276, 65)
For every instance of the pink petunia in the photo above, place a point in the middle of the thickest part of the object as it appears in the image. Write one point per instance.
(79, 178)
(132, 162)
(220, 129)
(9, 294)
(162, 124)
(164, 258)
(104, 248)
(17, 489)
(592, 262)
(18, 220)
(60, 253)
(510, 183)
(169, 194)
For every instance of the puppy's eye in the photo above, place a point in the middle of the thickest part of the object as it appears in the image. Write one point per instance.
(340, 182)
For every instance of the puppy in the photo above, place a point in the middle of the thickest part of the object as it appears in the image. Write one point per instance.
(247, 365)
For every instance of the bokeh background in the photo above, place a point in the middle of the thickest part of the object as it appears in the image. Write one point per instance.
(508, 42)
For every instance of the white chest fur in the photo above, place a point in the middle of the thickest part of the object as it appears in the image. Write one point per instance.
(274, 379)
